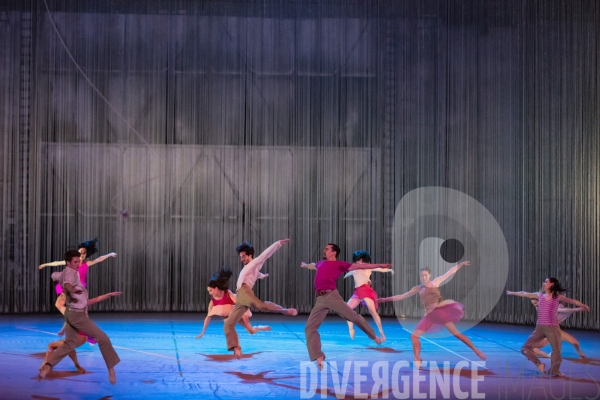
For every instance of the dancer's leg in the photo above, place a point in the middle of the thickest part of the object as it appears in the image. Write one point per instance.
(527, 350)
(255, 303)
(570, 339)
(352, 303)
(452, 329)
(537, 349)
(373, 311)
(311, 331)
(416, 345)
(231, 336)
(338, 305)
(245, 322)
(61, 352)
(554, 336)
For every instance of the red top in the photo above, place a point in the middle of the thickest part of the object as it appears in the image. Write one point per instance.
(223, 300)
(328, 272)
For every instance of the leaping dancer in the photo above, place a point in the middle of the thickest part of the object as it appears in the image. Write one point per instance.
(438, 312)
(328, 298)
(245, 298)
(547, 324)
(223, 300)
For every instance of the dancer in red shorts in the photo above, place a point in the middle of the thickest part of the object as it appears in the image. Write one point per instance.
(438, 312)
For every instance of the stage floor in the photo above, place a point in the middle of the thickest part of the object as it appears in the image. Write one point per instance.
(160, 358)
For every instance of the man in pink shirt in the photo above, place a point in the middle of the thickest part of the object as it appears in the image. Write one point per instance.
(328, 271)
(245, 298)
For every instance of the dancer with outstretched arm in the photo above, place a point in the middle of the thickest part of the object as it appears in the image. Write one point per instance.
(438, 312)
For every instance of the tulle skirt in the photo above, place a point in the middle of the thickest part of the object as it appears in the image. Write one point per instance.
(365, 292)
(435, 319)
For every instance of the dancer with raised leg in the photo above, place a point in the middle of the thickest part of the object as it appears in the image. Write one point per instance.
(77, 319)
(82, 337)
(547, 324)
(363, 292)
(223, 300)
(245, 298)
(328, 298)
(438, 312)
(562, 314)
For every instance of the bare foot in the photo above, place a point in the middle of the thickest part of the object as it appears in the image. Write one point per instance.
(417, 364)
(199, 336)
(383, 339)
(237, 352)
(480, 355)
(61, 333)
(352, 332)
(259, 328)
(558, 375)
(540, 353)
(579, 352)
(292, 312)
(44, 371)
(112, 377)
(80, 369)
(320, 361)
(542, 368)
(377, 340)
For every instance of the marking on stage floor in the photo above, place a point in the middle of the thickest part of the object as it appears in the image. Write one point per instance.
(176, 350)
(36, 330)
(439, 345)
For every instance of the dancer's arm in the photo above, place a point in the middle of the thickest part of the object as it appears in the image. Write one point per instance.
(576, 303)
(262, 276)
(440, 279)
(308, 266)
(52, 264)
(354, 267)
(231, 296)
(399, 297)
(570, 309)
(100, 259)
(206, 320)
(258, 262)
(534, 295)
(103, 297)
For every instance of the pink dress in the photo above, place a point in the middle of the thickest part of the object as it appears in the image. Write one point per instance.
(437, 315)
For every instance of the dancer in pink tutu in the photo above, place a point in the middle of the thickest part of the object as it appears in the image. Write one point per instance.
(547, 326)
(363, 292)
(438, 312)
(223, 300)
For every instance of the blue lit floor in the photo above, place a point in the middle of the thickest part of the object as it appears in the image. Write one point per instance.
(160, 358)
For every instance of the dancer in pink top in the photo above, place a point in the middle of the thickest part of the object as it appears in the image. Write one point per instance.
(563, 314)
(223, 300)
(547, 324)
(328, 298)
(86, 249)
(438, 312)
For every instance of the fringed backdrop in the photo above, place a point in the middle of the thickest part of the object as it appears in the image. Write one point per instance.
(173, 130)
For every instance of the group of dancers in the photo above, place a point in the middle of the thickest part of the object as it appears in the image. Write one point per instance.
(235, 308)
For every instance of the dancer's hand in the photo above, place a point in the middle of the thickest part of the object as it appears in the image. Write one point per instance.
(508, 292)
(111, 294)
(199, 336)
(111, 255)
(42, 266)
(263, 276)
(284, 241)
(384, 299)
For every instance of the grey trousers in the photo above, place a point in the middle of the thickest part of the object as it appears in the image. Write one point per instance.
(552, 333)
(79, 321)
(334, 302)
(244, 300)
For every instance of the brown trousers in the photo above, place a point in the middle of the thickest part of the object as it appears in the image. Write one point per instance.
(79, 321)
(334, 302)
(552, 333)
(245, 300)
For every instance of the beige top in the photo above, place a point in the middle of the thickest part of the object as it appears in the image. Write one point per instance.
(430, 297)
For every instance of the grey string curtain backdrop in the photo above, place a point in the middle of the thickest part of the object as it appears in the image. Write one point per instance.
(173, 130)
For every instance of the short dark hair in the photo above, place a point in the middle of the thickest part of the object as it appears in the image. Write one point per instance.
(426, 269)
(246, 248)
(363, 255)
(70, 254)
(335, 248)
